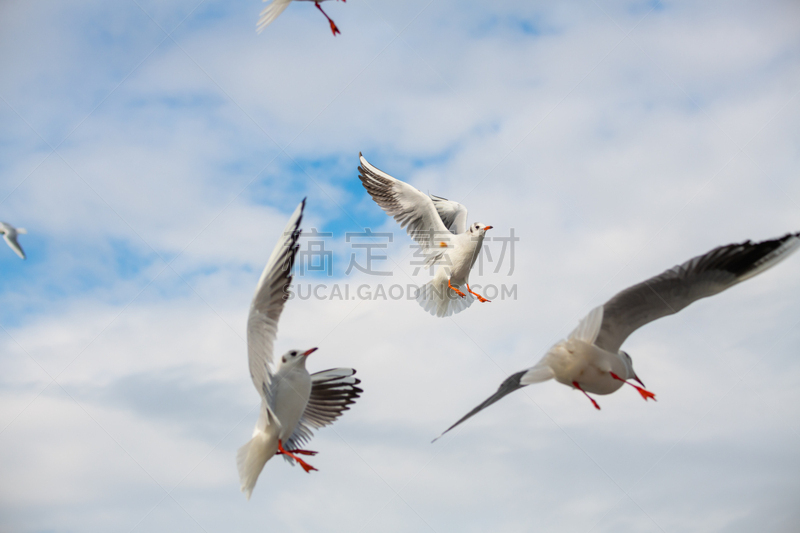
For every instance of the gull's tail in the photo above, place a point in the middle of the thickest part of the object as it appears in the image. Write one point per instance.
(440, 300)
(251, 458)
(270, 13)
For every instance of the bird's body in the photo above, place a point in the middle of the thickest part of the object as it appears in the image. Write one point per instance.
(276, 7)
(10, 233)
(577, 361)
(590, 359)
(440, 228)
(293, 402)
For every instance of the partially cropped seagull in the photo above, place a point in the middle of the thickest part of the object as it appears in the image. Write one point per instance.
(293, 403)
(10, 235)
(590, 359)
(440, 227)
(276, 7)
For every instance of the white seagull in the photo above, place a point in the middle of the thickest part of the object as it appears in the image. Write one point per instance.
(590, 360)
(440, 227)
(10, 235)
(276, 7)
(293, 403)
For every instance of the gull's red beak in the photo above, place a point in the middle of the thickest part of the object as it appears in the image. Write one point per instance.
(487, 228)
(312, 350)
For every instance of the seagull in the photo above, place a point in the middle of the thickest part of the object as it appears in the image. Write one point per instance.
(276, 7)
(293, 402)
(440, 227)
(590, 359)
(10, 235)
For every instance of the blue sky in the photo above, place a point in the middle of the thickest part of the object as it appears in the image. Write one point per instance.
(154, 151)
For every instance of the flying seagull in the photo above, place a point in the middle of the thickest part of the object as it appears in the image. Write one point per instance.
(590, 359)
(440, 227)
(276, 7)
(293, 403)
(10, 235)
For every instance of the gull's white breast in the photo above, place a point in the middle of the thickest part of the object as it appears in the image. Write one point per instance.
(576, 360)
(291, 397)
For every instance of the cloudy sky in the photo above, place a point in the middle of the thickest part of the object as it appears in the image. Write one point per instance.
(154, 151)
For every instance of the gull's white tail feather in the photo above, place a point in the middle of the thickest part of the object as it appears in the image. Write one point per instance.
(439, 300)
(270, 13)
(251, 458)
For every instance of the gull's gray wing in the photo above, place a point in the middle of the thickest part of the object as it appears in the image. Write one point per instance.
(332, 392)
(700, 277)
(270, 297)
(409, 206)
(536, 374)
(453, 214)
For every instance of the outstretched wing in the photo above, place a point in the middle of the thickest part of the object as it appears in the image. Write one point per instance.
(409, 206)
(268, 302)
(453, 214)
(270, 13)
(11, 240)
(516, 381)
(332, 392)
(697, 278)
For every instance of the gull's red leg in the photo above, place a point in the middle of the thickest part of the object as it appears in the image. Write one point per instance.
(575, 384)
(304, 452)
(334, 29)
(457, 291)
(646, 394)
(307, 467)
(481, 299)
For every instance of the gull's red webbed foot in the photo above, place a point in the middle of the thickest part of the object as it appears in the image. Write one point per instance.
(307, 467)
(575, 384)
(457, 291)
(334, 29)
(481, 299)
(646, 394)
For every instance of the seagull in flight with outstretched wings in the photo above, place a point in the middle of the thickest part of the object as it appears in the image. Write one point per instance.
(440, 227)
(590, 359)
(10, 233)
(293, 402)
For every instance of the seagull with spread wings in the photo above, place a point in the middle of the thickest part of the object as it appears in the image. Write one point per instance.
(590, 359)
(10, 233)
(293, 402)
(276, 7)
(440, 227)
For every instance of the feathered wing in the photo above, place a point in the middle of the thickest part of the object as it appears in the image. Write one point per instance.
(453, 214)
(270, 297)
(332, 393)
(11, 240)
(700, 277)
(270, 13)
(410, 207)
(589, 327)
(516, 381)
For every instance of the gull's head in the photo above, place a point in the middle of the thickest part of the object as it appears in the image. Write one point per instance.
(294, 358)
(626, 359)
(479, 229)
